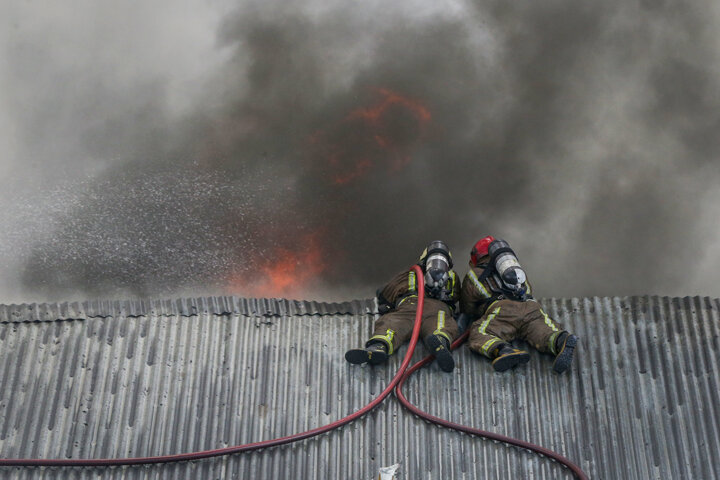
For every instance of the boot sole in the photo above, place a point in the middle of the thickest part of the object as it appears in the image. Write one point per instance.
(358, 356)
(564, 358)
(443, 356)
(510, 360)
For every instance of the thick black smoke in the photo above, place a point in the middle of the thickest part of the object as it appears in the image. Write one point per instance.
(581, 132)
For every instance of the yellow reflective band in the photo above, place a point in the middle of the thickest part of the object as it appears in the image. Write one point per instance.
(409, 296)
(441, 325)
(411, 282)
(387, 338)
(488, 320)
(443, 334)
(549, 322)
(491, 305)
(483, 291)
(486, 346)
(441, 320)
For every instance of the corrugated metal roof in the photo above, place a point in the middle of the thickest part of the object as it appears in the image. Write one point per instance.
(184, 307)
(116, 379)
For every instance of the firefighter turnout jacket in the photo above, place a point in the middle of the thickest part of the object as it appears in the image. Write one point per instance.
(400, 295)
(501, 318)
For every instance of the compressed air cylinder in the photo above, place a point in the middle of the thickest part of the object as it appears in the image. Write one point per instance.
(507, 264)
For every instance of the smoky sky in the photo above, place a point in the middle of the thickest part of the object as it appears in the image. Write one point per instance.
(160, 150)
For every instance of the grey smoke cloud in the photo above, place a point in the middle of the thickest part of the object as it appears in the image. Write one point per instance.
(156, 151)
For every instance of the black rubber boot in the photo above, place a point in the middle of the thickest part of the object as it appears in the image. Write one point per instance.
(508, 357)
(565, 346)
(440, 347)
(374, 354)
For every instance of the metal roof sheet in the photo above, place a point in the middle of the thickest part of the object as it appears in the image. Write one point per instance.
(183, 307)
(109, 379)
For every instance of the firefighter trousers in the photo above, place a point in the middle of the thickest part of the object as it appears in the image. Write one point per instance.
(395, 327)
(505, 320)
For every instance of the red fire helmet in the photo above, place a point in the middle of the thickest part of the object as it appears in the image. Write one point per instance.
(480, 249)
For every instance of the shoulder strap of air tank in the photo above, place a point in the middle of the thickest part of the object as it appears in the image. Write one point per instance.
(487, 270)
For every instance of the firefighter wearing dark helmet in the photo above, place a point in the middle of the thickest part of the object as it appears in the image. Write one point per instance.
(398, 302)
(497, 291)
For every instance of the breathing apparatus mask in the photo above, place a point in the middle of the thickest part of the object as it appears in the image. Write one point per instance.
(507, 268)
(436, 261)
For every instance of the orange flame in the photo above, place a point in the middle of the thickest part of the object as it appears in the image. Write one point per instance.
(360, 169)
(362, 139)
(288, 273)
(376, 112)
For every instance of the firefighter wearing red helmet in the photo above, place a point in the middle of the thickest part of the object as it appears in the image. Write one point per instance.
(398, 301)
(498, 295)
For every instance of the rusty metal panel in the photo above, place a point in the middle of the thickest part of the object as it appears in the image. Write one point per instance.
(109, 379)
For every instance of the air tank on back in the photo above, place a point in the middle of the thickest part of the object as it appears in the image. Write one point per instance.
(507, 264)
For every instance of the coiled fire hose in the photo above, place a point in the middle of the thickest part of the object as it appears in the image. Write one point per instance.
(395, 384)
(474, 431)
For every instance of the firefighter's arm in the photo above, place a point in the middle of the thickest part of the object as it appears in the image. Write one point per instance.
(455, 293)
(468, 305)
(465, 296)
(476, 295)
(384, 305)
(387, 296)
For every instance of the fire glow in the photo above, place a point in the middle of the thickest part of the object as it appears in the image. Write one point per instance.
(368, 136)
(383, 133)
(286, 274)
(375, 113)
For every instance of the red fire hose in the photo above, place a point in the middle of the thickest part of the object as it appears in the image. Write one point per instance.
(474, 431)
(395, 384)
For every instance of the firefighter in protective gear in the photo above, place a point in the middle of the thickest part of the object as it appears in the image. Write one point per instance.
(497, 294)
(398, 302)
